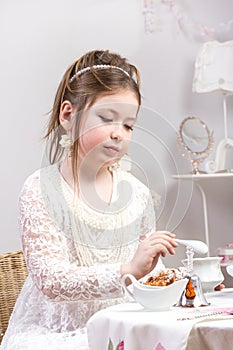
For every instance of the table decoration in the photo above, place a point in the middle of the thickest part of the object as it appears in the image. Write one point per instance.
(209, 271)
(192, 295)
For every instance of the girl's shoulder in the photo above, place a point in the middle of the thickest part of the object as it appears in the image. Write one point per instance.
(34, 179)
(31, 180)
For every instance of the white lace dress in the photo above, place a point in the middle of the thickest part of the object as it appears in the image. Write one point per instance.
(73, 255)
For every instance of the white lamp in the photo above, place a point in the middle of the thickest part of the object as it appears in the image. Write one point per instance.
(214, 72)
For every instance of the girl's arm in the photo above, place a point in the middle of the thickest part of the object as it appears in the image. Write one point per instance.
(152, 245)
(49, 259)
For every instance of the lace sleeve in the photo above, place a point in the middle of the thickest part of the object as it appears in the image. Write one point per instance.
(47, 256)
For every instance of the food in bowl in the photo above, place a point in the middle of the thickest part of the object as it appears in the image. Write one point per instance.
(156, 298)
(165, 277)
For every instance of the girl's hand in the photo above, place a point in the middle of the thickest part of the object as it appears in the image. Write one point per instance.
(148, 253)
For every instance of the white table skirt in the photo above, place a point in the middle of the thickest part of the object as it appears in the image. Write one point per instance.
(130, 327)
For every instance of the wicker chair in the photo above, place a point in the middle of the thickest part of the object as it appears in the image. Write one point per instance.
(13, 273)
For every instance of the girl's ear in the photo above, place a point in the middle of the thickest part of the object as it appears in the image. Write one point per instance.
(67, 112)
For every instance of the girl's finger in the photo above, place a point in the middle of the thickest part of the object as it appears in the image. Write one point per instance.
(164, 240)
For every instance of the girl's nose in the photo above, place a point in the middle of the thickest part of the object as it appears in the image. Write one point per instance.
(117, 132)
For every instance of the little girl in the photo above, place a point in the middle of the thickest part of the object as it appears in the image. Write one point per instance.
(84, 222)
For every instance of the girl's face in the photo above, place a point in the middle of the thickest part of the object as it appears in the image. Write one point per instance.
(106, 128)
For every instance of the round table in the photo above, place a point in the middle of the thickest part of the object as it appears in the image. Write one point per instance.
(130, 327)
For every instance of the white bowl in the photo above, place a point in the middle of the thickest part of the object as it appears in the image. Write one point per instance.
(229, 269)
(155, 298)
(209, 271)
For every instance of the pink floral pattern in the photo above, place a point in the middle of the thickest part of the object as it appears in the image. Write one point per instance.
(159, 346)
(120, 345)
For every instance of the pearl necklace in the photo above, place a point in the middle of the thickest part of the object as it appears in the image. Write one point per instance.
(106, 226)
(89, 253)
(89, 228)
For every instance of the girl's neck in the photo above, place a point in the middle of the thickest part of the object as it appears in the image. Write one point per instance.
(95, 185)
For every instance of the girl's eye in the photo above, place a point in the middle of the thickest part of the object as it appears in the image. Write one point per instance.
(104, 119)
(128, 127)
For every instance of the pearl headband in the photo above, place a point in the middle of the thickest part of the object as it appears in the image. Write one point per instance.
(98, 66)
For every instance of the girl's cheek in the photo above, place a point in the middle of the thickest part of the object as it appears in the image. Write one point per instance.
(92, 138)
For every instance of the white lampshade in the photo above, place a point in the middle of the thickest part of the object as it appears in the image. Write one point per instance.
(214, 67)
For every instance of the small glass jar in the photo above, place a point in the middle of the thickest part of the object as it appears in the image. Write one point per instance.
(226, 253)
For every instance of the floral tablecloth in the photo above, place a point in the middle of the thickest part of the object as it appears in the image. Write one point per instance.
(130, 327)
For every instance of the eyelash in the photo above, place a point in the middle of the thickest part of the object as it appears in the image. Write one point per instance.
(128, 127)
(106, 120)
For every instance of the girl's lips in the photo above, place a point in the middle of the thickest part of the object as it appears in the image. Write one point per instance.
(112, 149)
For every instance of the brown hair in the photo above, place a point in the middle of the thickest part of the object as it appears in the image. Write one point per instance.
(83, 90)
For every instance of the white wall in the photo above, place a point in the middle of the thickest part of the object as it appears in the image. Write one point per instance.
(39, 39)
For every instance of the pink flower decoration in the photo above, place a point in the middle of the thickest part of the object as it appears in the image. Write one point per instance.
(121, 345)
(159, 347)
